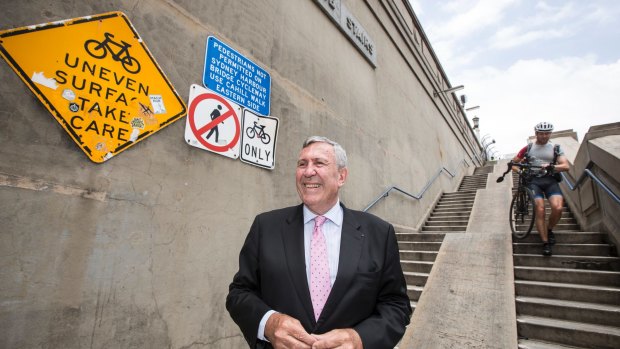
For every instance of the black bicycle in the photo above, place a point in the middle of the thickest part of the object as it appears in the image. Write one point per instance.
(258, 131)
(100, 49)
(522, 213)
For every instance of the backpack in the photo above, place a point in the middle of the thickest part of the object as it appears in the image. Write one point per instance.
(556, 153)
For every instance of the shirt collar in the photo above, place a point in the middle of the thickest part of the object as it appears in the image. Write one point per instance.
(334, 214)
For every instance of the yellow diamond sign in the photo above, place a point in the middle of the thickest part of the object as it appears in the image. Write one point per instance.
(97, 78)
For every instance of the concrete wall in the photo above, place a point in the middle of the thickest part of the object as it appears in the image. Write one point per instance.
(594, 209)
(139, 251)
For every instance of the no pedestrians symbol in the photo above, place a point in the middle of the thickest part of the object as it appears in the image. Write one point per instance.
(213, 122)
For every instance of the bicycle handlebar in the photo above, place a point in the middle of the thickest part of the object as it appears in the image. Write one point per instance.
(512, 164)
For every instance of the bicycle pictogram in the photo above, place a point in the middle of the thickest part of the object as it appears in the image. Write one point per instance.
(258, 131)
(99, 49)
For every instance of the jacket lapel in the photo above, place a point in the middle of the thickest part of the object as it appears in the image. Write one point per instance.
(293, 238)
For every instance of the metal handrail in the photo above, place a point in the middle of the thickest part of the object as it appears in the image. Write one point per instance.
(419, 196)
(588, 173)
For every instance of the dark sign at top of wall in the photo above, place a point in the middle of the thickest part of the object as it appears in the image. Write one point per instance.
(341, 15)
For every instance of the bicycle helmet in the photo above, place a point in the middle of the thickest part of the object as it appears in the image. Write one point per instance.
(544, 127)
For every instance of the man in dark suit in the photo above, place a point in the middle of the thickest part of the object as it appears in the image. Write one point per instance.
(281, 299)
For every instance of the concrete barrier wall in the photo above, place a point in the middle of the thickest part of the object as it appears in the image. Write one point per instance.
(139, 251)
(594, 209)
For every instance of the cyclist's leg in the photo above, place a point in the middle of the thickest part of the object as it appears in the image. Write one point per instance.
(541, 225)
(556, 202)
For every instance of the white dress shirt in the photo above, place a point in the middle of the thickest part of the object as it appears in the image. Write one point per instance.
(332, 229)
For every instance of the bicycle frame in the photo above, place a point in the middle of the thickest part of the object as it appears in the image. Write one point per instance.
(108, 45)
(520, 214)
(260, 130)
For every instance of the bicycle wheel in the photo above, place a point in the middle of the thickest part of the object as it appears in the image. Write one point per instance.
(251, 132)
(522, 214)
(265, 138)
(95, 49)
(131, 65)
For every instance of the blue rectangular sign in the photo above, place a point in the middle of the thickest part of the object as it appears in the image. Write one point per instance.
(235, 77)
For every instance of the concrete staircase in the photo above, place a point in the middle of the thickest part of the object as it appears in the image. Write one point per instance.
(569, 300)
(418, 251)
(477, 181)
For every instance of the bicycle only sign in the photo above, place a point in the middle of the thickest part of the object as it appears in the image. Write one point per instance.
(258, 141)
(97, 78)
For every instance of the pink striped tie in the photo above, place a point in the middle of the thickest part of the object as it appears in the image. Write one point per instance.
(320, 285)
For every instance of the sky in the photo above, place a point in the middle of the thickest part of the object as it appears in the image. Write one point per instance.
(527, 61)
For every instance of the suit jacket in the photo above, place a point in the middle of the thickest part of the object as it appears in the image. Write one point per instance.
(369, 294)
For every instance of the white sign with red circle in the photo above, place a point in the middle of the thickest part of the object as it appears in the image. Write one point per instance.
(213, 122)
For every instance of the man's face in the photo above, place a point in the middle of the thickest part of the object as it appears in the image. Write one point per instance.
(318, 178)
(542, 137)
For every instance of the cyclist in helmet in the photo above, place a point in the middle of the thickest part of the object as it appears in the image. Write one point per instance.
(552, 160)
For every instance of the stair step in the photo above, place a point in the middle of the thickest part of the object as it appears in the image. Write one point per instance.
(413, 306)
(566, 291)
(446, 231)
(441, 206)
(414, 292)
(415, 279)
(587, 277)
(534, 344)
(565, 226)
(569, 238)
(417, 266)
(564, 249)
(420, 237)
(472, 186)
(457, 222)
(419, 246)
(433, 218)
(457, 200)
(446, 228)
(442, 215)
(456, 203)
(483, 170)
(410, 255)
(569, 332)
(569, 262)
(460, 194)
(593, 313)
(560, 227)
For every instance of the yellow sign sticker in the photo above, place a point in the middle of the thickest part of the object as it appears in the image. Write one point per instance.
(97, 78)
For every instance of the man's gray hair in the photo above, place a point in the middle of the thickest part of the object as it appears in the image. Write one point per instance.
(341, 154)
